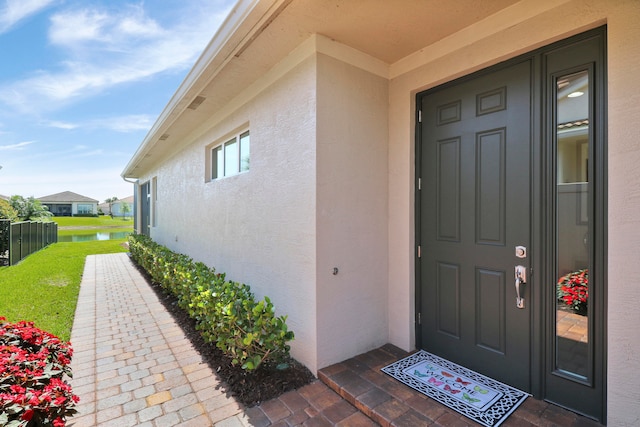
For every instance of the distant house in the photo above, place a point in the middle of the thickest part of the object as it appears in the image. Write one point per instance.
(420, 173)
(116, 207)
(68, 203)
(3, 197)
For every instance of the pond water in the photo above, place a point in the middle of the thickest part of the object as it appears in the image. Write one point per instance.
(94, 236)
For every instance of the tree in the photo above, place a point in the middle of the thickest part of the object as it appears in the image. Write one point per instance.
(30, 209)
(7, 211)
(111, 201)
(125, 209)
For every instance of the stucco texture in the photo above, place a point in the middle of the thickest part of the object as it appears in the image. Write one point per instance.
(554, 21)
(352, 211)
(258, 227)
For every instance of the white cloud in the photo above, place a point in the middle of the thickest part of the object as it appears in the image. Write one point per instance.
(74, 28)
(124, 124)
(18, 146)
(61, 125)
(132, 123)
(13, 11)
(105, 49)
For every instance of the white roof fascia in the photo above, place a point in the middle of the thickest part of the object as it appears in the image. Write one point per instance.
(231, 26)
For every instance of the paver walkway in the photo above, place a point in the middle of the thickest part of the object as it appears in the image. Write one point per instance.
(133, 366)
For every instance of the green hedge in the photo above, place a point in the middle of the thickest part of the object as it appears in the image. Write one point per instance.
(226, 312)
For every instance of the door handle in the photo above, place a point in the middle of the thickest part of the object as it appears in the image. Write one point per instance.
(521, 280)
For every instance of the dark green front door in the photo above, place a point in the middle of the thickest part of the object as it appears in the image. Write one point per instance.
(475, 146)
(511, 177)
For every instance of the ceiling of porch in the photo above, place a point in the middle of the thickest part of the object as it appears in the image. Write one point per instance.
(388, 30)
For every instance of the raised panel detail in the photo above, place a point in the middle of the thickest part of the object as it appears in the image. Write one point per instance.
(448, 299)
(490, 187)
(491, 101)
(490, 315)
(448, 190)
(448, 113)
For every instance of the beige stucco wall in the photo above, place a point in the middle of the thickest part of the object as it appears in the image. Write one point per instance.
(258, 227)
(327, 190)
(488, 43)
(352, 207)
(315, 198)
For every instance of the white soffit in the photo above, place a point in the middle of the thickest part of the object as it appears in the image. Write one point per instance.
(383, 36)
(497, 22)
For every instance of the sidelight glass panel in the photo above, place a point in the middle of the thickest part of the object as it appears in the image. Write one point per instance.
(572, 342)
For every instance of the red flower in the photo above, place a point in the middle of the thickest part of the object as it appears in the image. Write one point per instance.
(33, 364)
(572, 289)
(28, 414)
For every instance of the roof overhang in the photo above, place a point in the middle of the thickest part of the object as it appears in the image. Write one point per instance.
(258, 34)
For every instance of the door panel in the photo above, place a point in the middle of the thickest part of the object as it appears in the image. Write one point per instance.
(516, 156)
(490, 322)
(475, 151)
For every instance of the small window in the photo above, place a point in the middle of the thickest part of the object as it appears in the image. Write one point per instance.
(85, 209)
(232, 157)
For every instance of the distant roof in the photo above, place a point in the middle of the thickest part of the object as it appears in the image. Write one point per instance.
(2, 196)
(129, 200)
(66, 196)
(126, 199)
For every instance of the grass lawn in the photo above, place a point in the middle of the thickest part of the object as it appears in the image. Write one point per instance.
(101, 221)
(44, 286)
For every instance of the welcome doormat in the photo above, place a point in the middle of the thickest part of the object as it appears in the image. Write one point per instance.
(482, 399)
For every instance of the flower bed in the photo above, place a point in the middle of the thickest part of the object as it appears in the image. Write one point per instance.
(33, 363)
(573, 290)
(226, 312)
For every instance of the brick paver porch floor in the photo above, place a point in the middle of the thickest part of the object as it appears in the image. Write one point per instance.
(133, 366)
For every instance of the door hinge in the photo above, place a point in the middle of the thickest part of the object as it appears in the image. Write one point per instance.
(419, 116)
(419, 251)
(419, 183)
(419, 318)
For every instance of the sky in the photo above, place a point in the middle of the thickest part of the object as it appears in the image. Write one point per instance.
(83, 81)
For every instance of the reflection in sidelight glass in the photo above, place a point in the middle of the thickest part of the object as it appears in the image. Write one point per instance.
(572, 352)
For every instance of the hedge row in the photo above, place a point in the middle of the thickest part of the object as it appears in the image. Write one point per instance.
(226, 312)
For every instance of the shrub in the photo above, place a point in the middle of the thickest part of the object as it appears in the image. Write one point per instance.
(7, 211)
(226, 312)
(33, 363)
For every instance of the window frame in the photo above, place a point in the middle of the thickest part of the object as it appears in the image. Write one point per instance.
(217, 156)
(84, 209)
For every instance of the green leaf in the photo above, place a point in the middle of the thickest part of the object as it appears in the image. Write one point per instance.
(248, 339)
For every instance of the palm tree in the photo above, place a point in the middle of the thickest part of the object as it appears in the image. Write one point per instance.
(111, 201)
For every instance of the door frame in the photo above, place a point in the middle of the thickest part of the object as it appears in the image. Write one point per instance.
(541, 254)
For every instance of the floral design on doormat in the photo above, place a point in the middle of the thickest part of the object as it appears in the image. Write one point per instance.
(482, 399)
